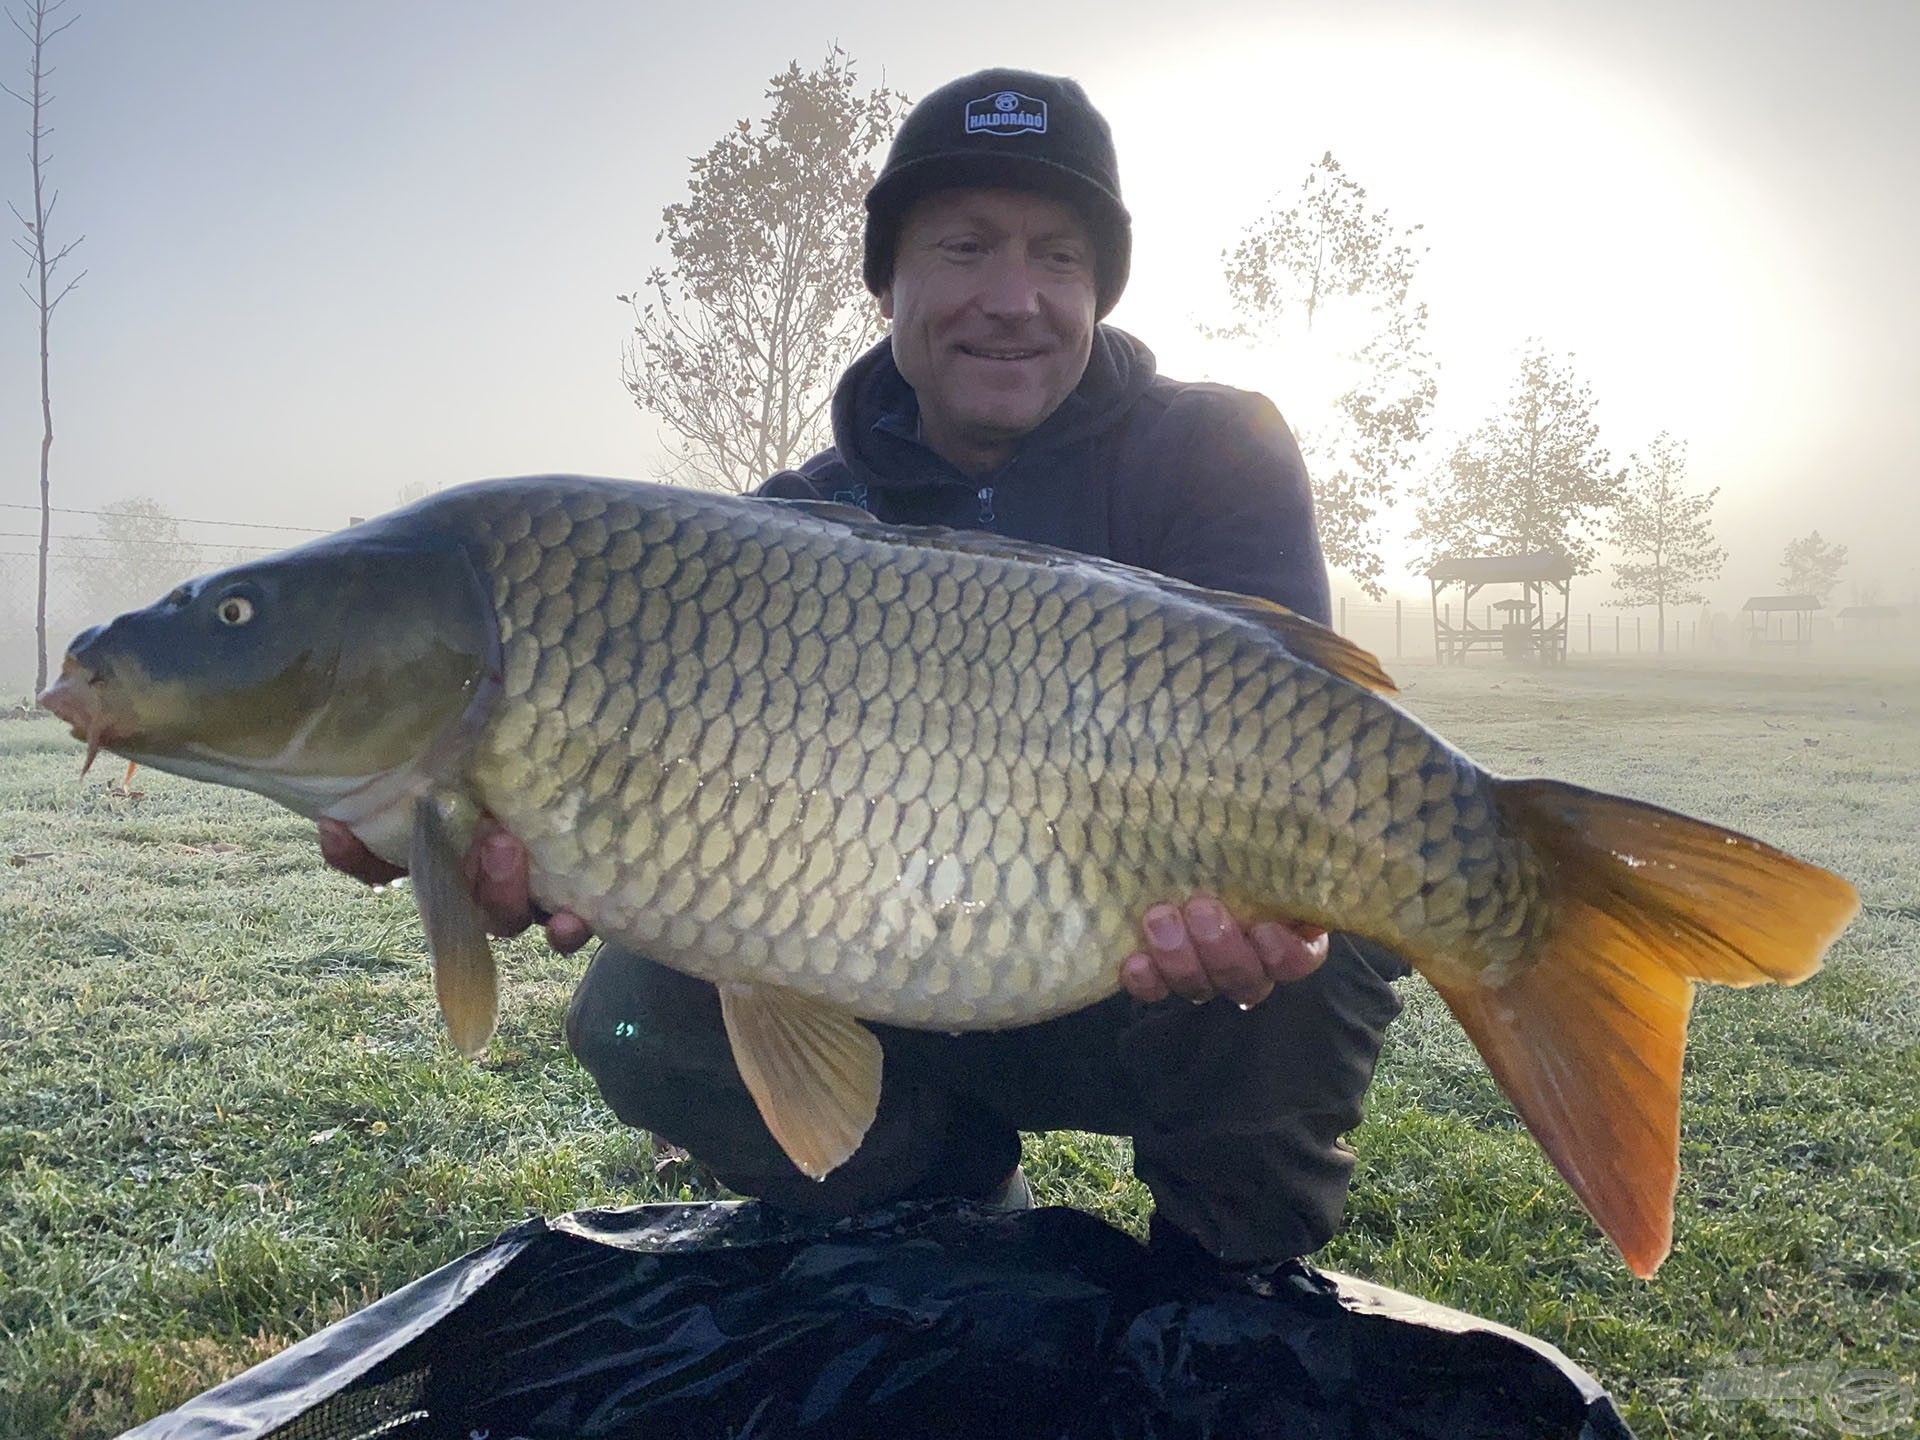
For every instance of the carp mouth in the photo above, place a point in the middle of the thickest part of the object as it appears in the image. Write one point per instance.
(75, 697)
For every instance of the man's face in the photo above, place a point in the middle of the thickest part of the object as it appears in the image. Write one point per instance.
(992, 304)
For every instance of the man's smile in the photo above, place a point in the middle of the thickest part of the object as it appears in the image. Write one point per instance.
(1000, 352)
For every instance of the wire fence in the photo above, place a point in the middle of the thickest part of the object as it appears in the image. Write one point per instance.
(101, 564)
(1406, 632)
(1403, 630)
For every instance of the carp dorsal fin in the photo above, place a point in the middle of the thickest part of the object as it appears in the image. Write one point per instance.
(463, 974)
(812, 1069)
(1313, 642)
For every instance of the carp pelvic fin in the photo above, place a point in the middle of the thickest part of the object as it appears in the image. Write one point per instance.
(812, 1069)
(463, 974)
(1587, 1039)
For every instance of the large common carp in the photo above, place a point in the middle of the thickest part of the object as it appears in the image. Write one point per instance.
(933, 779)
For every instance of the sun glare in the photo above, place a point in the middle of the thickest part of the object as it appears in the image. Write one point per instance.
(1559, 202)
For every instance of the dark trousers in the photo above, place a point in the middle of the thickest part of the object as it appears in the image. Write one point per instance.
(1236, 1116)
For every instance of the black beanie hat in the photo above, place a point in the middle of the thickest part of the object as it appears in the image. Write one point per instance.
(1009, 128)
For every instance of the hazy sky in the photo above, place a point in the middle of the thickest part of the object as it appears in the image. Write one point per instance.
(335, 249)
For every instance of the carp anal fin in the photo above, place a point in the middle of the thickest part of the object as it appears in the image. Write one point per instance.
(812, 1069)
(463, 975)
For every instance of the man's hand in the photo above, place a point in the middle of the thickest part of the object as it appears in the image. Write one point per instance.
(496, 870)
(1200, 952)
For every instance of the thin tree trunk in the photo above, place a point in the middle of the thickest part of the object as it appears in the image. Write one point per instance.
(43, 268)
(46, 387)
(46, 493)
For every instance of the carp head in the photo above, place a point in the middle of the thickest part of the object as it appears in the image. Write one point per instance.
(328, 678)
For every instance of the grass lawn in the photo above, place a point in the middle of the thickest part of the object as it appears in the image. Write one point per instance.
(227, 1116)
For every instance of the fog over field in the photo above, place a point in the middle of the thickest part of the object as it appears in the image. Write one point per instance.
(338, 253)
(335, 255)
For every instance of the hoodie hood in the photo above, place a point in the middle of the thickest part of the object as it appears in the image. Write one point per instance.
(876, 416)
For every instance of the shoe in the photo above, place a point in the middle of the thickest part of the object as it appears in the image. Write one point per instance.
(1015, 1194)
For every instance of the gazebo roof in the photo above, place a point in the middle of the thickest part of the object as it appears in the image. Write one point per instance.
(1498, 569)
(1870, 612)
(1783, 602)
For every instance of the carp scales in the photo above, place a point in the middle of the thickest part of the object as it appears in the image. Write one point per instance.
(852, 772)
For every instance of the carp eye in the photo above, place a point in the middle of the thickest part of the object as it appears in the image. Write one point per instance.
(235, 610)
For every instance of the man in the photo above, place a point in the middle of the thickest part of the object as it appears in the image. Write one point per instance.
(996, 241)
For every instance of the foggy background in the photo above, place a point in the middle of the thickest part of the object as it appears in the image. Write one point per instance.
(338, 253)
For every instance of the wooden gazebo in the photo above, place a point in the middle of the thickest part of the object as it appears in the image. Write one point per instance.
(1869, 622)
(1763, 611)
(1524, 630)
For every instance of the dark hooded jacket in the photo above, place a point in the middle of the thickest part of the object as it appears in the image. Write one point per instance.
(1198, 481)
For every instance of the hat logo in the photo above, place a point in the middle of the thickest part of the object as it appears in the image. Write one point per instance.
(1006, 113)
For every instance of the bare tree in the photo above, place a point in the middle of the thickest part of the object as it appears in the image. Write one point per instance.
(1335, 257)
(737, 342)
(42, 264)
(1665, 533)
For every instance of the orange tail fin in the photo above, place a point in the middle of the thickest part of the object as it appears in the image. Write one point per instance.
(1587, 1040)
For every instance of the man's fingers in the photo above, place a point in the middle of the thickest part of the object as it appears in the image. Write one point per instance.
(1233, 967)
(1171, 953)
(497, 875)
(1142, 979)
(567, 932)
(1199, 951)
(495, 867)
(344, 851)
(499, 879)
(1289, 953)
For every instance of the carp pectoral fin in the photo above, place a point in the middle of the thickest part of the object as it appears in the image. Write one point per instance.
(813, 1070)
(463, 975)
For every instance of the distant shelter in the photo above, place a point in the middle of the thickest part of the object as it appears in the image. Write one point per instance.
(1525, 629)
(1870, 624)
(1780, 620)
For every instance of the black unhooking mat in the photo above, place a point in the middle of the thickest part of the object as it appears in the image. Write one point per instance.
(729, 1320)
